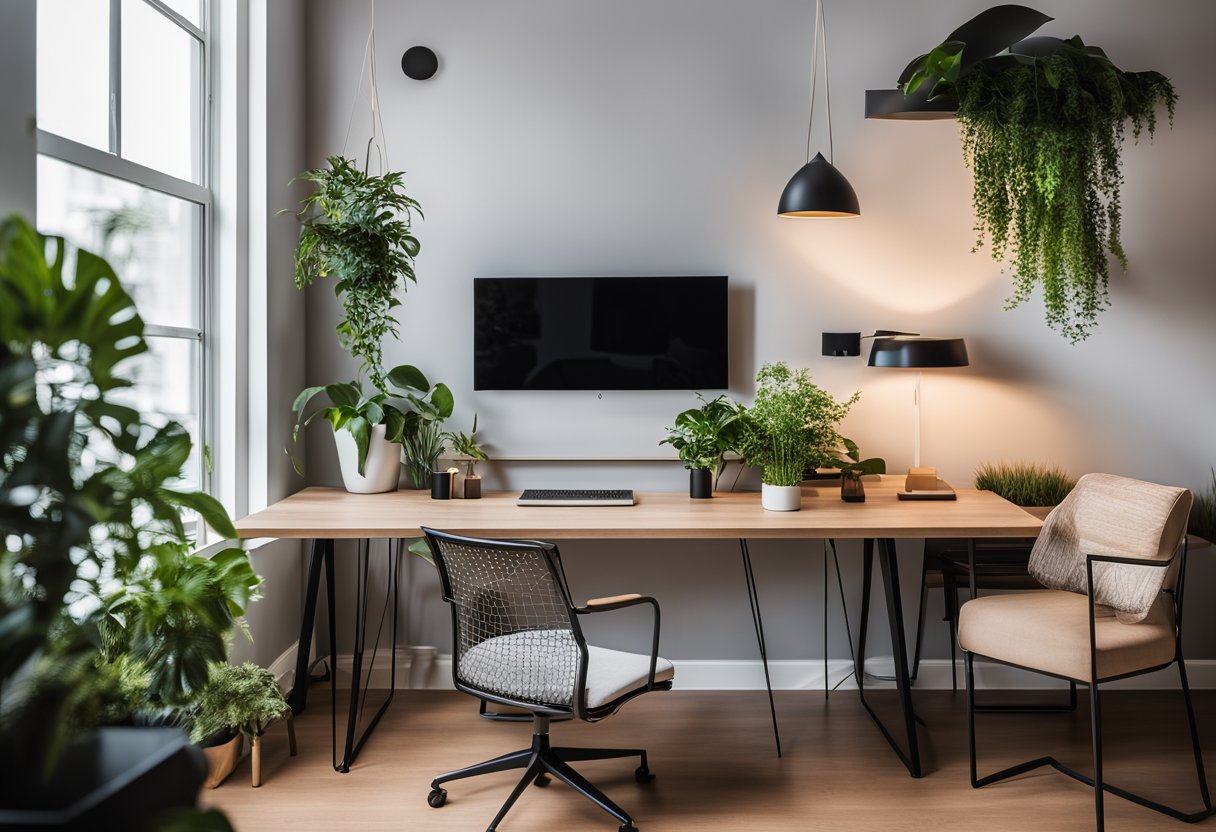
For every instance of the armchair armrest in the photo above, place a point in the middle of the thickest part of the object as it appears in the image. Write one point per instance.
(1090, 560)
(619, 602)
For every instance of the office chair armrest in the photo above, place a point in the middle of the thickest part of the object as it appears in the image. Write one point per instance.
(620, 602)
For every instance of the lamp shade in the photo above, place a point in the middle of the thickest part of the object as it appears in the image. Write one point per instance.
(818, 190)
(910, 352)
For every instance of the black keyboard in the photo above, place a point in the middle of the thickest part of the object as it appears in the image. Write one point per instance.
(575, 497)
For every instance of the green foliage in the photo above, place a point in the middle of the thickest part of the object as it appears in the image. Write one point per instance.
(1025, 483)
(91, 515)
(703, 434)
(850, 463)
(245, 698)
(1042, 135)
(423, 435)
(1203, 512)
(350, 410)
(465, 444)
(791, 426)
(355, 227)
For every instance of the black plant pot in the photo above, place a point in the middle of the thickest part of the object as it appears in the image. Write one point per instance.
(851, 489)
(700, 483)
(111, 778)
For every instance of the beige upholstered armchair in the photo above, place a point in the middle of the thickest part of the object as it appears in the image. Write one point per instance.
(1113, 556)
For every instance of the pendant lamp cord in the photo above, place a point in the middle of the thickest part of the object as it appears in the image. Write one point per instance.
(368, 69)
(821, 29)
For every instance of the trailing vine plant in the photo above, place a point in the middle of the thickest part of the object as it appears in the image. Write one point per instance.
(355, 227)
(1042, 128)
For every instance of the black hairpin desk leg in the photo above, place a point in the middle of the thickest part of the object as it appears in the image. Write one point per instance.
(753, 599)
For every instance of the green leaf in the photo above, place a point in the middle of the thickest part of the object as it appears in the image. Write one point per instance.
(361, 430)
(422, 549)
(408, 377)
(394, 423)
(210, 509)
(443, 400)
(345, 393)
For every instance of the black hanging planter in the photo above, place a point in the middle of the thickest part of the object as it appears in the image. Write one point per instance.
(700, 483)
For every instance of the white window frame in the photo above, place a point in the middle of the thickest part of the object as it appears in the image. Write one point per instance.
(111, 163)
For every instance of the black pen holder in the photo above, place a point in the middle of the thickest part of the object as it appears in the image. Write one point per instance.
(441, 485)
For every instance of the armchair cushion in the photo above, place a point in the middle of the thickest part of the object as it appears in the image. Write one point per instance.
(536, 670)
(1110, 515)
(1048, 631)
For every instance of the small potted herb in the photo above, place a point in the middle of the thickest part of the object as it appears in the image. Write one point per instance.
(852, 467)
(790, 427)
(237, 702)
(366, 432)
(422, 436)
(467, 484)
(701, 436)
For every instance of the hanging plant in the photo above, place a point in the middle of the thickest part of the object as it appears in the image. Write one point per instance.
(1043, 123)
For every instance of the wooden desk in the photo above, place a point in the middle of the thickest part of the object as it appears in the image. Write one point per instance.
(326, 514)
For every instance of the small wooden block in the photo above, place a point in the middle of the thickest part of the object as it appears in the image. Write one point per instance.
(921, 479)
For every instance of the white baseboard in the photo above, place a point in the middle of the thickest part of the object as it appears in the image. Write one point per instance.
(422, 668)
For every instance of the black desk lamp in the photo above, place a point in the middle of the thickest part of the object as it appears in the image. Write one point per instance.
(918, 353)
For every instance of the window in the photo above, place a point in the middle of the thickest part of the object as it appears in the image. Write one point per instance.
(123, 170)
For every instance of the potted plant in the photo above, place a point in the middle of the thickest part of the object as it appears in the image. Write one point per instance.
(1043, 122)
(852, 468)
(701, 436)
(103, 609)
(466, 484)
(355, 228)
(367, 430)
(790, 427)
(238, 702)
(422, 434)
(1034, 486)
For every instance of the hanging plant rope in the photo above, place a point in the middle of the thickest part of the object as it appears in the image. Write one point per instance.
(1042, 131)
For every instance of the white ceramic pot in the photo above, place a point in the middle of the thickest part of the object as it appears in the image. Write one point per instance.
(382, 470)
(781, 497)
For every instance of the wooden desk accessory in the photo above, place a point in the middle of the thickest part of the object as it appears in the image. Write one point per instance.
(923, 483)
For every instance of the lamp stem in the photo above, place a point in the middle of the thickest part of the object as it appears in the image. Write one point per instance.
(916, 428)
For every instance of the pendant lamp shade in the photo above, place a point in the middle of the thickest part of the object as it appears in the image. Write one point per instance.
(818, 189)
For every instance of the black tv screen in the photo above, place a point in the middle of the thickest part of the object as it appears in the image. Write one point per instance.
(599, 333)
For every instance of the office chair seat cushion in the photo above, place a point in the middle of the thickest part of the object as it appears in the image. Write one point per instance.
(1048, 630)
(540, 669)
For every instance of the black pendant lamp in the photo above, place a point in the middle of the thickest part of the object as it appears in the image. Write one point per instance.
(818, 189)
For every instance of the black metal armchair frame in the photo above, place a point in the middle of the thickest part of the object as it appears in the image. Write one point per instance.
(542, 759)
(1096, 782)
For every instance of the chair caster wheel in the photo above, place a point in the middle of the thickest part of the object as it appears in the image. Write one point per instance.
(642, 775)
(543, 780)
(437, 798)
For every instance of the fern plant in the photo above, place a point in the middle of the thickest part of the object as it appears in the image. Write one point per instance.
(243, 698)
(1042, 132)
(791, 426)
(355, 228)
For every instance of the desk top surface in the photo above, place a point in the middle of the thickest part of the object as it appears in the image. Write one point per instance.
(334, 513)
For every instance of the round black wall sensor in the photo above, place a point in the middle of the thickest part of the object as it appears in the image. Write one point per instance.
(419, 63)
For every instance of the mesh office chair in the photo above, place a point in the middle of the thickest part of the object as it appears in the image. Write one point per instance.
(517, 642)
(1113, 556)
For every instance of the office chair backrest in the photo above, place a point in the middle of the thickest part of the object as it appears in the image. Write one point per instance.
(515, 635)
(1110, 515)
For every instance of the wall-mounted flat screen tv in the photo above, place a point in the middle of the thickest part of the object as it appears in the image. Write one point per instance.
(600, 333)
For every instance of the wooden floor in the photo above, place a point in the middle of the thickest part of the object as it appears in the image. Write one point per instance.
(712, 753)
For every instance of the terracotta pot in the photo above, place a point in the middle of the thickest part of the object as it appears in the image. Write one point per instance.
(222, 760)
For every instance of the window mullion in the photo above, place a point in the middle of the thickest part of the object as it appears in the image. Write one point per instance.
(116, 77)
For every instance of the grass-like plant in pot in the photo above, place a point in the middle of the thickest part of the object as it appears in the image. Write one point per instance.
(355, 228)
(792, 426)
(701, 435)
(1043, 124)
(1026, 484)
(422, 435)
(238, 703)
(105, 614)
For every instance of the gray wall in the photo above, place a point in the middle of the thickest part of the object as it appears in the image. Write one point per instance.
(18, 147)
(654, 138)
